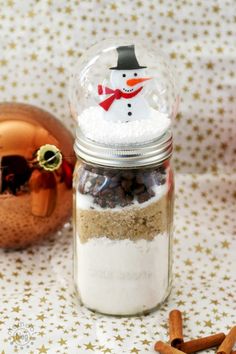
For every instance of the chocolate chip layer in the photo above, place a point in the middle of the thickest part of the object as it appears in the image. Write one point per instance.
(111, 188)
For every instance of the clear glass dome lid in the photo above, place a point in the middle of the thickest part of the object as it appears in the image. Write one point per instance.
(123, 92)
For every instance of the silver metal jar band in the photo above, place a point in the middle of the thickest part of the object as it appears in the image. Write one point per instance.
(123, 156)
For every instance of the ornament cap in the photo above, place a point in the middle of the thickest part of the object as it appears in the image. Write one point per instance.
(49, 157)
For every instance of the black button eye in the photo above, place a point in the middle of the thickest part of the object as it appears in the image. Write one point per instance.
(135, 74)
(124, 75)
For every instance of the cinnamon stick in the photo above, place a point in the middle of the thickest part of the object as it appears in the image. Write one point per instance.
(228, 342)
(202, 343)
(164, 348)
(175, 328)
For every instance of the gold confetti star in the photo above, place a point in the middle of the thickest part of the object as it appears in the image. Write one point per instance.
(146, 342)
(208, 324)
(188, 262)
(189, 65)
(196, 95)
(3, 62)
(89, 346)
(12, 45)
(225, 244)
(68, 10)
(119, 338)
(220, 49)
(170, 14)
(70, 52)
(61, 70)
(198, 48)
(181, 303)
(194, 185)
(215, 8)
(41, 317)
(173, 55)
(62, 341)
(221, 111)
(215, 302)
(134, 18)
(210, 65)
(31, 14)
(33, 56)
(113, 7)
(16, 309)
(16, 338)
(42, 350)
(198, 248)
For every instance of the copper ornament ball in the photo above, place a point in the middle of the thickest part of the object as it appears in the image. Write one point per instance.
(34, 202)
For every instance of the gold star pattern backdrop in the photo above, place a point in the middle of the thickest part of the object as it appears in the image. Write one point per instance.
(40, 42)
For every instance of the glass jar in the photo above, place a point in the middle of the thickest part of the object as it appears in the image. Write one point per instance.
(123, 215)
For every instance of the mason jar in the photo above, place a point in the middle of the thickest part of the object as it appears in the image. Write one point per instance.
(123, 216)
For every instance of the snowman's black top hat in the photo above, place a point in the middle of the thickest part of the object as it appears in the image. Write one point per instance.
(127, 59)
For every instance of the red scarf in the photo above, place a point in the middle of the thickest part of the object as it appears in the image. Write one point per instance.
(116, 95)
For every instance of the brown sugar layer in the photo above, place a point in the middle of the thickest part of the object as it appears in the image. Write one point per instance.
(134, 223)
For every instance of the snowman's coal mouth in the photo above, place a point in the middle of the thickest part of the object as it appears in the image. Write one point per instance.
(126, 90)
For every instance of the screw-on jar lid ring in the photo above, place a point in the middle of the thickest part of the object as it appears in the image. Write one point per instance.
(123, 156)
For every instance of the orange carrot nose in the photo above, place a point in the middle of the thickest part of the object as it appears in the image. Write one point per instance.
(133, 82)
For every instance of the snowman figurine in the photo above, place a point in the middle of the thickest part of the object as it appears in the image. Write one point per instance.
(124, 101)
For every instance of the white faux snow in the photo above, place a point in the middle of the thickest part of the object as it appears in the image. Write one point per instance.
(95, 127)
(122, 277)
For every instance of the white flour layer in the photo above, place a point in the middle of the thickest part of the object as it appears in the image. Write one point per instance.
(95, 127)
(122, 277)
(85, 201)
